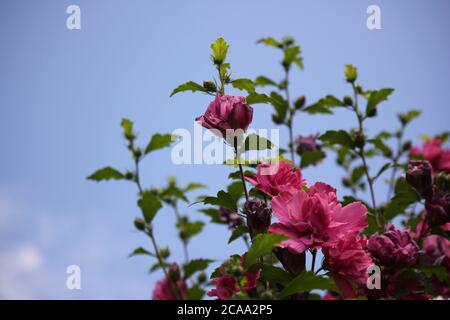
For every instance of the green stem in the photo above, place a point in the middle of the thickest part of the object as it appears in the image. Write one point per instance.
(361, 153)
(290, 117)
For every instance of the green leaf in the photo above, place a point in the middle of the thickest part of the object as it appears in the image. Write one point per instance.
(193, 228)
(311, 158)
(238, 232)
(255, 142)
(193, 186)
(351, 73)
(409, 116)
(255, 98)
(195, 293)
(213, 214)
(189, 86)
(244, 84)
(219, 50)
(223, 199)
(262, 81)
(357, 174)
(340, 137)
(159, 141)
(106, 173)
(269, 41)
(262, 244)
(275, 275)
(382, 169)
(194, 266)
(324, 105)
(439, 271)
(376, 97)
(280, 104)
(380, 145)
(149, 204)
(405, 195)
(307, 281)
(236, 190)
(140, 251)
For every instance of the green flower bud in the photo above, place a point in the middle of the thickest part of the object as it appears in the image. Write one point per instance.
(300, 102)
(360, 139)
(164, 252)
(129, 175)
(139, 224)
(236, 271)
(407, 145)
(348, 101)
(202, 277)
(210, 86)
(267, 295)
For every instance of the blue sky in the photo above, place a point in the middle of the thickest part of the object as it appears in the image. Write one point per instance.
(63, 93)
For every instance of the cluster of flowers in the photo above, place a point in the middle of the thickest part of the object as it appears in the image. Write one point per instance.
(313, 218)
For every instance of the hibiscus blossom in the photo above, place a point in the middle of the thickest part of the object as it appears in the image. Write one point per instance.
(348, 261)
(315, 218)
(433, 152)
(272, 179)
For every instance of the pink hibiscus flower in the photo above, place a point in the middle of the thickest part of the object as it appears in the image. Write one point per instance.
(315, 218)
(433, 152)
(272, 179)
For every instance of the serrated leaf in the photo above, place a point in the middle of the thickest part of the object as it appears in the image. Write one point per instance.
(255, 98)
(188, 86)
(159, 141)
(149, 204)
(106, 173)
(307, 281)
(194, 266)
(340, 137)
(264, 81)
(409, 116)
(376, 97)
(223, 199)
(238, 232)
(244, 84)
(262, 244)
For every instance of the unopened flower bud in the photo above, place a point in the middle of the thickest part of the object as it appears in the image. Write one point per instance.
(300, 102)
(210, 86)
(306, 144)
(267, 295)
(139, 224)
(438, 209)
(201, 277)
(371, 113)
(407, 146)
(236, 271)
(129, 175)
(174, 272)
(137, 153)
(360, 139)
(258, 216)
(419, 176)
(348, 101)
(164, 252)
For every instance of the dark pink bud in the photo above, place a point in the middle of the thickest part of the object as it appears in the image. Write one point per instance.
(292, 262)
(419, 176)
(394, 248)
(258, 216)
(438, 209)
(307, 144)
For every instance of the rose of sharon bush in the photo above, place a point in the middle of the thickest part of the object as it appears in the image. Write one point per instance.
(348, 261)
(315, 218)
(433, 152)
(394, 248)
(273, 179)
(225, 113)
